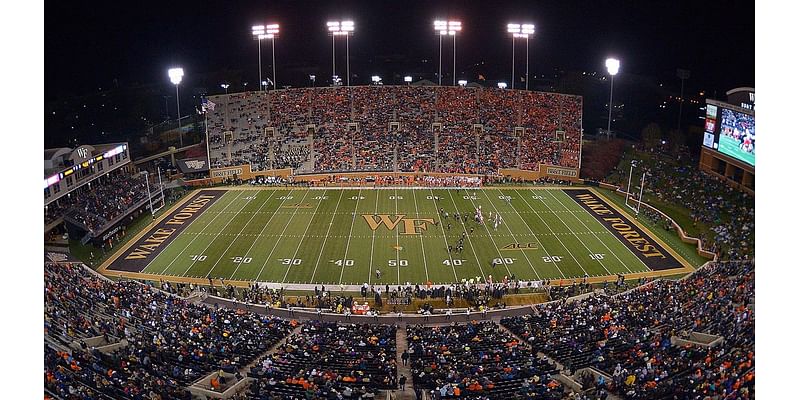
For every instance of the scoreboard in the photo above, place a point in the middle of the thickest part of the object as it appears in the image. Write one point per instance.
(730, 130)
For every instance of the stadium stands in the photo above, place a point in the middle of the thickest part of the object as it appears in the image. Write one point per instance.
(355, 130)
(478, 360)
(629, 336)
(329, 360)
(96, 204)
(166, 342)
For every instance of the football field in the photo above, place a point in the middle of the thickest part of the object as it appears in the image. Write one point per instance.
(344, 236)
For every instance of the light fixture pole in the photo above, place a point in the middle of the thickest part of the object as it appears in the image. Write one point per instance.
(345, 28)
(448, 28)
(225, 86)
(175, 76)
(519, 31)
(259, 32)
(612, 64)
(272, 33)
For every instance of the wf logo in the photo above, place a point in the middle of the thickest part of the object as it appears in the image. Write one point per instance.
(411, 226)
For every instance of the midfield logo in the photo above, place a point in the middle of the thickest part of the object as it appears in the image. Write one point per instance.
(411, 226)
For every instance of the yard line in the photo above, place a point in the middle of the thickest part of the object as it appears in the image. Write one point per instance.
(512, 233)
(603, 241)
(194, 238)
(397, 246)
(260, 233)
(239, 234)
(322, 249)
(421, 242)
(477, 260)
(444, 236)
(300, 243)
(349, 235)
(372, 247)
(266, 260)
(554, 234)
(499, 254)
(216, 235)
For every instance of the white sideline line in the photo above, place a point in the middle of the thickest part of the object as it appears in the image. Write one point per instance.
(444, 237)
(350, 235)
(266, 260)
(512, 233)
(195, 238)
(322, 249)
(421, 242)
(289, 267)
(215, 237)
(604, 243)
(238, 234)
(260, 233)
(556, 236)
(469, 239)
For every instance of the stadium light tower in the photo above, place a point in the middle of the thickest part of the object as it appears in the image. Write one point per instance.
(225, 86)
(175, 76)
(612, 64)
(266, 32)
(408, 80)
(520, 31)
(341, 28)
(447, 28)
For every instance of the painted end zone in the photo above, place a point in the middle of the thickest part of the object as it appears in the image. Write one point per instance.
(136, 257)
(652, 254)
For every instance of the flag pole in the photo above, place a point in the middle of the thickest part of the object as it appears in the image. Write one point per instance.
(208, 151)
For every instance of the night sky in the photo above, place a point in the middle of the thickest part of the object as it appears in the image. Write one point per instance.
(89, 44)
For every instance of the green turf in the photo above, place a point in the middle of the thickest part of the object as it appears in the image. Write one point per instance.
(263, 235)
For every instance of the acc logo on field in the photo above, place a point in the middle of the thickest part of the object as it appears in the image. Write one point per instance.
(520, 246)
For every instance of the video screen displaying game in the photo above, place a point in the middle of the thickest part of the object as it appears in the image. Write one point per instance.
(737, 137)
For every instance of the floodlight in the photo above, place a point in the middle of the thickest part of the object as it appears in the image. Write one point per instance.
(462, 83)
(502, 85)
(612, 64)
(224, 85)
(175, 75)
(407, 79)
(376, 78)
(528, 29)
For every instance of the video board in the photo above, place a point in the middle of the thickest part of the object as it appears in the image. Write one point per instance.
(731, 131)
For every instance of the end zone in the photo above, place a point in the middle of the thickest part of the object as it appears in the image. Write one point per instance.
(141, 251)
(642, 243)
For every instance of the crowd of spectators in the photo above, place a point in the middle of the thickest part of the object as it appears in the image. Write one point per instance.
(327, 360)
(97, 203)
(478, 360)
(167, 342)
(386, 128)
(629, 336)
(729, 212)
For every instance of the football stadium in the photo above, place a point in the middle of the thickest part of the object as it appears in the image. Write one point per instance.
(454, 231)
